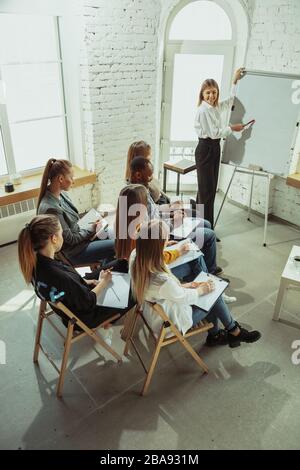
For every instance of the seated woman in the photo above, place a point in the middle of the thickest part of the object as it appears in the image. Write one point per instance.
(142, 149)
(132, 211)
(142, 173)
(80, 245)
(153, 282)
(37, 244)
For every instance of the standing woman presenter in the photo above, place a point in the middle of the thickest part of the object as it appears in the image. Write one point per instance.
(210, 131)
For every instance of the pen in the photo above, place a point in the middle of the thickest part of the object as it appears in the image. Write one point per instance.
(249, 123)
(110, 269)
(115, 294)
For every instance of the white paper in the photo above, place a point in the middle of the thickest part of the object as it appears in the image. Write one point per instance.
(88, 219)
(207, 301)
(83, 270)
(188, 226)
(194, 253)
(116, 293)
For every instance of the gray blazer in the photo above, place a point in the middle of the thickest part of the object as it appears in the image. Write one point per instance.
(75, 238)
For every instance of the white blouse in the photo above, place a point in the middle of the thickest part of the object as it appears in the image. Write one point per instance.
(208, 120)
(176, 300)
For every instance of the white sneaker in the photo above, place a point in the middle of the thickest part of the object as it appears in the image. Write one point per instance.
(107, 335)
(228, 300)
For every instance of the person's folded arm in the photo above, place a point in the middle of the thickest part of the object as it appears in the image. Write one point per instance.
(72, 235)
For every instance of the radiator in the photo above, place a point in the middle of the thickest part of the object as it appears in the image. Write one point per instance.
(13, 218)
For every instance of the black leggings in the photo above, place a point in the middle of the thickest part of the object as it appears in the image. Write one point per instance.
(207, 155)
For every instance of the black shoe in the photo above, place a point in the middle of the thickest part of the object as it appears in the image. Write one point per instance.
(217, 271)
(217, 340)
(244, 336)
(218, 239)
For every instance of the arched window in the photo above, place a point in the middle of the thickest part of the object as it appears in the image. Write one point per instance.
(201, 21)
(200, 43)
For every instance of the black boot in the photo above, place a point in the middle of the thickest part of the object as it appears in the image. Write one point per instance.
(220, 339)
(244, 336)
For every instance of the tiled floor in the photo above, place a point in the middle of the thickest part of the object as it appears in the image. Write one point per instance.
(249, 400)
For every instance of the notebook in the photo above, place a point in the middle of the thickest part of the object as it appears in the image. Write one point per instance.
(116, 294)
(89, 218)
(87, 221)
(207, 301)
(194, 253)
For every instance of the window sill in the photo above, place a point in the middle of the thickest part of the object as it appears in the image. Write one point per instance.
(294, 180)
(30, 186)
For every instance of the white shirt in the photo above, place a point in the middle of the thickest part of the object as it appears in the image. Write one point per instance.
(208, 120)
(176, 300)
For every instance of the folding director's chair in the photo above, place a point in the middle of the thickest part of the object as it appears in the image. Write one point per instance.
(71, 336)
(162, 341)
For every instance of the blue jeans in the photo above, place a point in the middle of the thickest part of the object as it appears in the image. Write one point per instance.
(206, 238)
(219, 311)
(94, 252)
(188, 271)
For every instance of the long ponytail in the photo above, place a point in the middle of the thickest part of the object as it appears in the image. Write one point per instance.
(151, 237)
(52, 169)
(32, 238)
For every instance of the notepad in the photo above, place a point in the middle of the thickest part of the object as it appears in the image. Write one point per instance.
(83, 270)
(116, 294)
(188, 226)
(207, 301)
(194, 253)
(89, 218)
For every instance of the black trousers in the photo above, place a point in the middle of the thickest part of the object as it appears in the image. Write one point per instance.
(207, 156)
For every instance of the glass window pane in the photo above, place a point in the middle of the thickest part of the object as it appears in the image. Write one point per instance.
(27, 38)
(202, 20)
(32, 91)
(35, 142)
(3, 166)
(190, 70)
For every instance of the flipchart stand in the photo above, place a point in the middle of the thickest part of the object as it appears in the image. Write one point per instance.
(253, 173)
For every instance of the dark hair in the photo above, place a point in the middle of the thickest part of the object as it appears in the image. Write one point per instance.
(139, 148)
(32, 238)
(209, 83)
(52, 169)
(139, 164)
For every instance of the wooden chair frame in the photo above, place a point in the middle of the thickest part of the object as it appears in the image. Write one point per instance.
(70, 337)
(162, 341)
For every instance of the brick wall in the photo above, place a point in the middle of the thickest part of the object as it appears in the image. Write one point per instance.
(118, 84)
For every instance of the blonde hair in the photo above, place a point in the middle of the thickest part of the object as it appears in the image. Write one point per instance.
(149, 257)
(209, 83)
(32, 238)
(136, 149)
(135, 194)
(52, 169)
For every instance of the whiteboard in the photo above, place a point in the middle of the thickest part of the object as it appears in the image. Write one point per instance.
(270, 99)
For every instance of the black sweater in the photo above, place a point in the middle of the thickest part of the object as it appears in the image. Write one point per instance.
(56, 281)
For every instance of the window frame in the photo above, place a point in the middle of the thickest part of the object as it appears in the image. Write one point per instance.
(172, 47)
(66, 23)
